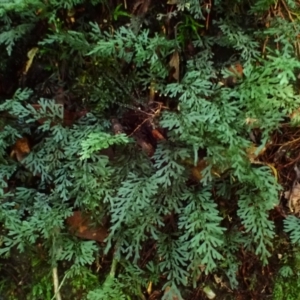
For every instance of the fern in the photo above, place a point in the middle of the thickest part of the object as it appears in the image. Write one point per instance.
(291, 225)
(176, 213)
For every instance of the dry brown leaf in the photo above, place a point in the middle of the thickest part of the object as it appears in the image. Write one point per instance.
(81, 226)
(146, 147)
(295, 115)
(141, 7)
(231, 81)
(237, 69)
(116, 126)
(155, 295)
(157, 135)
(293, 197)
(67, 117)
(20, 149)
(174, 64)
(253, 152)
(197, 170)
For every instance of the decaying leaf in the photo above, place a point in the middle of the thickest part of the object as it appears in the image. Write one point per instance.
(295, 115)
(149, 288)
(293, 197)
(31, 54)
(155, 295)
(20, 149)
(197, 170)
(174, 65)
(172, 2)
(81, 226)
(116, 126)
(146, 147)
(253, 152)
(169, 293)
(152, 91)
(141, 7)
(237, 72)
(157, 135)
(38, 107)
(237, 69)
(250, 121)
(209, 292)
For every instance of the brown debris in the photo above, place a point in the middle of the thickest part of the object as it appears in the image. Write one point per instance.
(174, 64)
(116, 126)
(20, 149)
(81, 225)
(141, 7)
(293, 197)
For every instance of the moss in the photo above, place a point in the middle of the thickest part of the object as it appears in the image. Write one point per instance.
(287, 283)
(287, 289)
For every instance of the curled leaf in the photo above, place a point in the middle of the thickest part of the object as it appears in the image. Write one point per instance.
(20, 149)
(31, 54)
(81, 226)
(174, 65)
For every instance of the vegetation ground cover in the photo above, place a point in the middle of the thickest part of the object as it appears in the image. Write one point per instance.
(149, 149)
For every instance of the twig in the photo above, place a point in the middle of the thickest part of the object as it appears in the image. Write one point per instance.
(150, 118)
(292, 20)
(288, 12)
(139, 126)
(265, 45)
(208, 8)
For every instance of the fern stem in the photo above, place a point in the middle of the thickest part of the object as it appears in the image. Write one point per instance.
(113, 268)
(56, 284)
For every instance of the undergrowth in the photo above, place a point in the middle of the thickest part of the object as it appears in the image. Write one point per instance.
(150, 120)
